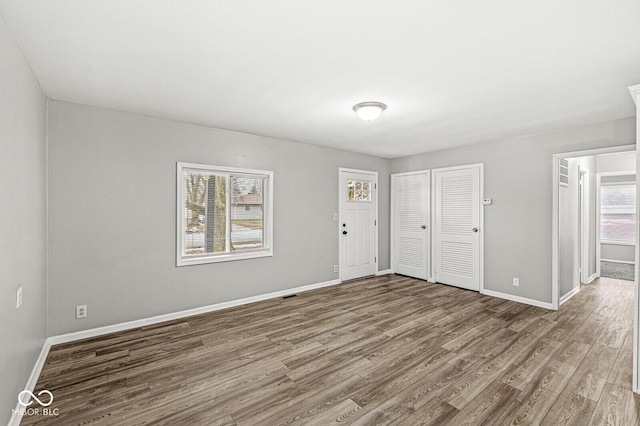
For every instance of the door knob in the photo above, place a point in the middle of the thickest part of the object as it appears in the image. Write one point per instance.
(344, 232)
(475, 229)
(424, 226)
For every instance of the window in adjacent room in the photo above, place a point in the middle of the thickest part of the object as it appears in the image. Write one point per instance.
(618, 212)
(223, 214)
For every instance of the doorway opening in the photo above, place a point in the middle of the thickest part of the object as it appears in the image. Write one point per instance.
(594, 208)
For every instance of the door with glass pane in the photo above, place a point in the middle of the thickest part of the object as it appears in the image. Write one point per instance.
(357, 225)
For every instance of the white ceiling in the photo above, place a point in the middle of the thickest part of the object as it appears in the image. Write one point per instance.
(451, 72)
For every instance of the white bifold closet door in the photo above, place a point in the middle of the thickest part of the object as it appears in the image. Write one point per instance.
(457, 223)
(410, 195)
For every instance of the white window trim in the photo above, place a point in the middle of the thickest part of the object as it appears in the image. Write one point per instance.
(599, 185)
(267, 231)
(618, 242)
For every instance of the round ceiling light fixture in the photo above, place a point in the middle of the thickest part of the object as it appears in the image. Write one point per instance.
(369, 111)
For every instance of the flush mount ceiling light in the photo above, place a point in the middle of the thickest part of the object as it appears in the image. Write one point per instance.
(369, 111)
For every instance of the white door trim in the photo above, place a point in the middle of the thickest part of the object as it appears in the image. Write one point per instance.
(393, 213)
(635, 94)
(555, 212)
(585, 218)
(374, 178)
(433, 217)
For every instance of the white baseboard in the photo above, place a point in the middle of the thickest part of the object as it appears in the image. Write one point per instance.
(93, 332)
(591, 278)
(517, 299)
(569, 295)
(618, 261)
(16, 416)
(384, 272)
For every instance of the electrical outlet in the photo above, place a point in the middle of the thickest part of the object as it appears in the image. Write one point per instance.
(335, 268)
(19, 297)
(516, 282)
(81, 311)
(335, 217)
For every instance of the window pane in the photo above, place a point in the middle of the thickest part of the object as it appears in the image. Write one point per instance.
(358, 190)
(204, 213)
(247, 220)
(350, 190)
(618, 212)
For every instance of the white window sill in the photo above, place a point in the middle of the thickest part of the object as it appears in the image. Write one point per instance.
(618, 243)
(199, 260)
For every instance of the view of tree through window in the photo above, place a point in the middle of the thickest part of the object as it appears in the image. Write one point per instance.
(618, 212)
(222, 212)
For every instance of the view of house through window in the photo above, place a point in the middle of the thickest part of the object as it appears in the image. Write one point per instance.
(618, 212)
(222, 212)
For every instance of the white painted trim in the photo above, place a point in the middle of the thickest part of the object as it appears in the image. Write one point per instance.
(591, 278)
(569, 295)
(555, 220)
(384, 272)
(374, 177)
(619, 173)
(460, 167)
(228, 256)
(518, 299)
(84, 334)
(598, 231)
(617, 243)
(618, 261)
(584, 228)
(596, 151)
(635, 94)
(555, 209)
(417, 172)
(16, 415)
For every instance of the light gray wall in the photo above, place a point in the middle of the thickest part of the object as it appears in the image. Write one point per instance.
(518, 178)
(112, 191)
(619, 252)
(617, 162)
(22, 221)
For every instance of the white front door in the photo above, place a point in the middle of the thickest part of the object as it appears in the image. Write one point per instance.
(457, 227)
(410, 205)
(358, 192)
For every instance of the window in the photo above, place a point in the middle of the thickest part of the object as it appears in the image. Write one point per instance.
(618, 212)
(359, 190)
(223, 214)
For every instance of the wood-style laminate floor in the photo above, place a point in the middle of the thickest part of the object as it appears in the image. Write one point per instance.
(384, 350)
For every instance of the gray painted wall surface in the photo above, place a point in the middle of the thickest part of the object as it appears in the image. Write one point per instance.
(22, 221)
(616, 162)
(518, 178)
(623, 253)
(112, 215)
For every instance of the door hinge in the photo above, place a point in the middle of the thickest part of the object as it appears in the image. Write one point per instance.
(375, 186)
(375, 259)
(375, 223)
